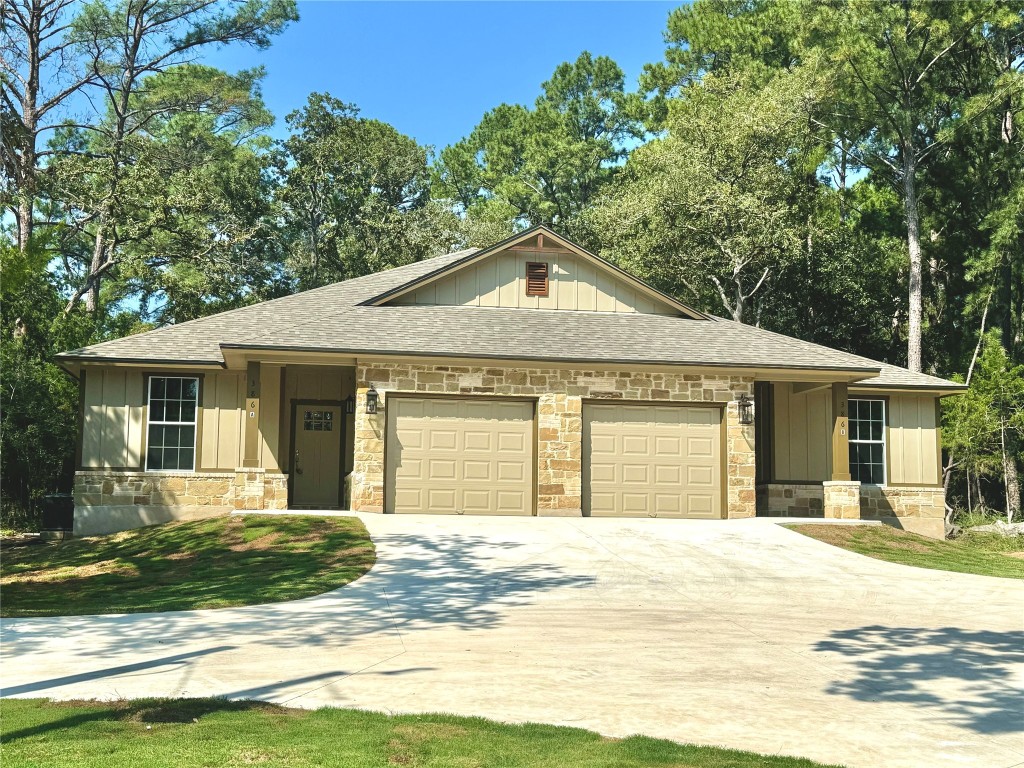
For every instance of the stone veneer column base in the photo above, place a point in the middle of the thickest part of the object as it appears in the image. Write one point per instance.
(841, 499)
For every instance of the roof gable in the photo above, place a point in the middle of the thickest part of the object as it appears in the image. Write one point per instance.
(496, 277)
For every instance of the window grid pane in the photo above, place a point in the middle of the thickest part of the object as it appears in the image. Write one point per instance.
(171, 435)
(867, 441)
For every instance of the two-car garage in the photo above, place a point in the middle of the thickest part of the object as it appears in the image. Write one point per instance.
(476, 455)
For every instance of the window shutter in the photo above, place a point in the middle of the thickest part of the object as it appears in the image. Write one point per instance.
(536, 278)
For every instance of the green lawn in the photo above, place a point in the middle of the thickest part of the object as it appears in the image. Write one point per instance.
(987, 554)
(213, 563)
(215, 732)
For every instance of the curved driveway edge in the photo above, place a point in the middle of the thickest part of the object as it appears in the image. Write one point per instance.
(736, 633)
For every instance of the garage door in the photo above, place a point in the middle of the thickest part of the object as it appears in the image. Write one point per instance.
(455, 456)
(652, 461)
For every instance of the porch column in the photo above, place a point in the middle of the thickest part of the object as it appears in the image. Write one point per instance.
(251, 455)
(840, 432)
(841, 494)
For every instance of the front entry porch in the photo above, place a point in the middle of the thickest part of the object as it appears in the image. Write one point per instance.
(842, 452)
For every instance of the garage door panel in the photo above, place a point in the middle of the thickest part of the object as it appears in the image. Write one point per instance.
(700, 447)
(700, 505)
(459, 455)
(660, 461)
(635, 503)
(701, 477)
(668, 475)
(637, 474)
(668, 447)
(476, 440)
(512, 471)
(513, 442)
(476, 470)
(667, 504)
(510, 502)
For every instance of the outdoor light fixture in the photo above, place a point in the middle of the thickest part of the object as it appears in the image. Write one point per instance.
(350, 405)
(746, 406)
(371, 400)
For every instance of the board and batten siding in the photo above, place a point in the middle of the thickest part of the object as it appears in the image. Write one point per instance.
(913, 441)
(802, 437)
(802, 442)
(574, 283)
(223, 437)
(113, 419)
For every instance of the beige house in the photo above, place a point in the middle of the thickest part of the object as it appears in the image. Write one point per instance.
(529, 378)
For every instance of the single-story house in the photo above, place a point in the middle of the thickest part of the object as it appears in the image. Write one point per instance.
(528, 378)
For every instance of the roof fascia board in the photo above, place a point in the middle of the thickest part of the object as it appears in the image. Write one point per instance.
(509, 244)
(139, 362)
(777, 373)
(920, 389)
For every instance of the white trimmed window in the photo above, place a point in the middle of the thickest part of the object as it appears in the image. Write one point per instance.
(867, 441)
(171, 437)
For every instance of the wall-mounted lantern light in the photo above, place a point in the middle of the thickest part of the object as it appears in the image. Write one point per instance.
(350, 405)
(746, 407)
(371, 400)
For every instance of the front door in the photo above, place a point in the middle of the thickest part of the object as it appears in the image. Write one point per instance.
(316, 459)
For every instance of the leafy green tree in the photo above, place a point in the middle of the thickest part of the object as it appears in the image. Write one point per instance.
(357, 196)
(523, 166)
(719, 206)
(984, 428)
(907, 79)
(181, 194)
(128, 46)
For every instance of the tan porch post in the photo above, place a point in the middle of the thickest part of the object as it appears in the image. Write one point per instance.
(841, 494)
(840, 432)
(251, 456)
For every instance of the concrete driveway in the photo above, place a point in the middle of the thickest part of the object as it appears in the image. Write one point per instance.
(735, 633)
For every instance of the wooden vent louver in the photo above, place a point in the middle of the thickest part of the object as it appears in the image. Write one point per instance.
(536, 278)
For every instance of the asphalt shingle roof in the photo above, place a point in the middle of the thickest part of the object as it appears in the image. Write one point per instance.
(333, 318)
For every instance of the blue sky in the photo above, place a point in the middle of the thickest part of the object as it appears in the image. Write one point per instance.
(432, 69)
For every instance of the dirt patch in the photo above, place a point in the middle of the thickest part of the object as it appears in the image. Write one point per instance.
(76, 572)
(836, 535)
(1018, 555)
(426, 731)
(908, 546)
(263, 542)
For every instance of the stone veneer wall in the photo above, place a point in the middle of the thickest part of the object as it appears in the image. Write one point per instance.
(243, 489)
(791, 500)
(559, 394)
(920, 509)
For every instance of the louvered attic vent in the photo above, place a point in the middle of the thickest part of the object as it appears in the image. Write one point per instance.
(536, 278)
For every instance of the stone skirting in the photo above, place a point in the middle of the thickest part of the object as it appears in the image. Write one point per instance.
(791, 500)
(114, 494)
(560, 394)
(920, 509)
(841, 499)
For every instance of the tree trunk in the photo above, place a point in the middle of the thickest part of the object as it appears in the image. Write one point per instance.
(1011, 480)
(915, 306)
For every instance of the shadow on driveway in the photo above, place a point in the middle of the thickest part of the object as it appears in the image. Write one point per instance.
(918, 666)
(418, 583)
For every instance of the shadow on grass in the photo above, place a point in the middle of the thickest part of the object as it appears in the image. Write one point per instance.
(138, 711)
(211, 563)
(962, 675)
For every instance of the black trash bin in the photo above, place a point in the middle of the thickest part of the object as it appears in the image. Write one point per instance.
(59, 512)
